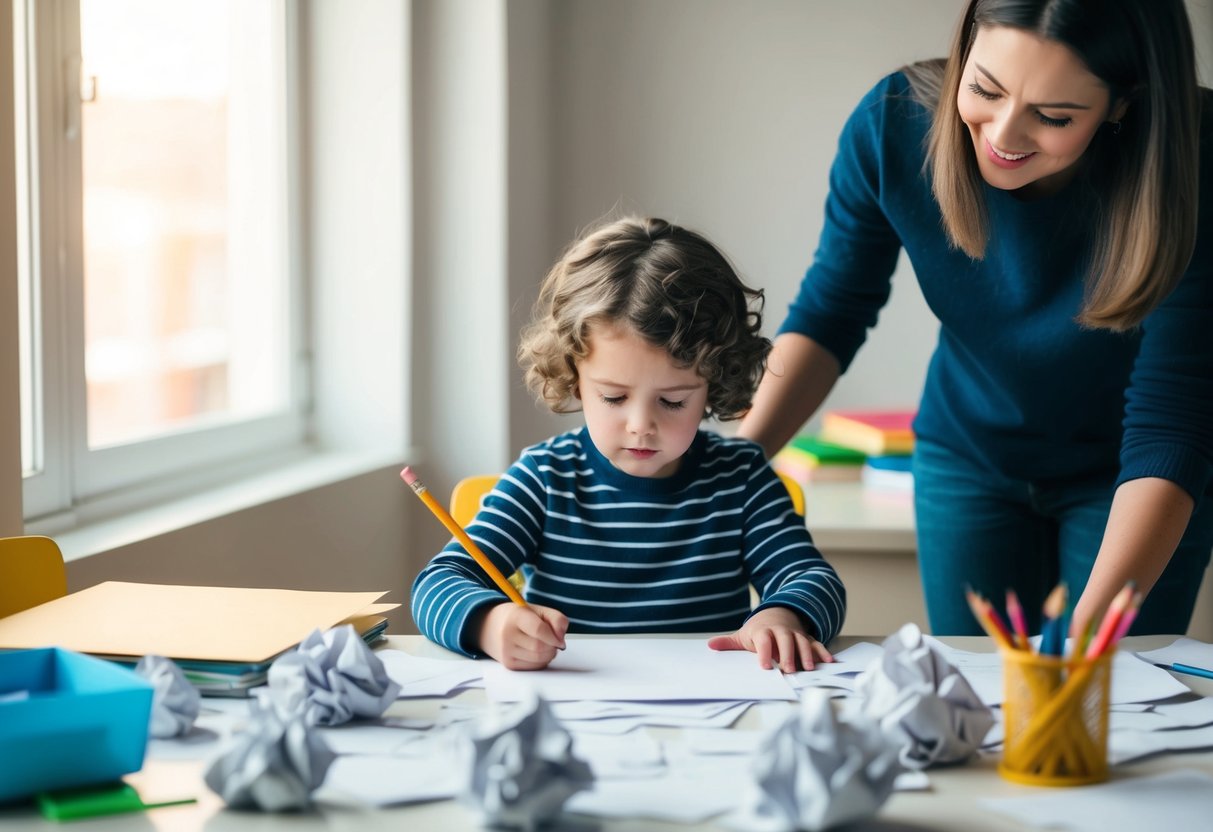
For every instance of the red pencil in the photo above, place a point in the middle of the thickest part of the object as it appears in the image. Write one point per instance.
(1126, 620)
(1015, 613)
(1111, 619)
(988, 619)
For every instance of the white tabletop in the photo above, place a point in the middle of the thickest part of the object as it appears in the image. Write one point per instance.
(849, 516)
(950, 804)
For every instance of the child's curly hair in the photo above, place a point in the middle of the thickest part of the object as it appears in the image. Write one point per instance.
(668, 284)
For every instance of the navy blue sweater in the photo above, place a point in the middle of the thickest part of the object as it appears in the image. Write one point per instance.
(624, 554)
(1014, 383)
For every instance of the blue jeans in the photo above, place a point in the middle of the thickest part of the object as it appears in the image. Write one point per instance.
(980, 529)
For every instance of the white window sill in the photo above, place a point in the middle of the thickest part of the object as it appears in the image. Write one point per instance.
(313, 471)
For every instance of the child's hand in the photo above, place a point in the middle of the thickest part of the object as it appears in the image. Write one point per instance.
(776, 634)
(523, 638)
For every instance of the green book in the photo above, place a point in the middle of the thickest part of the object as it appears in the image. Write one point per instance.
(826, 453)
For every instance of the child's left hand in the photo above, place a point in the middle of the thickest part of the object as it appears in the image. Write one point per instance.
(776, 634)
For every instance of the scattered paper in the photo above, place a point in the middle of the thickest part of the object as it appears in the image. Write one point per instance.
(1174, 800)
(1183, 650)
(818, 770)
(371, 781)
(175, 702)
(521, 766)
(692, 797)
(422, 676)
(332, 677)
(641, 670)
(274, 765)
(923, 702)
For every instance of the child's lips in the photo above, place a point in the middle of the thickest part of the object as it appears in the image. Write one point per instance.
(641, 453)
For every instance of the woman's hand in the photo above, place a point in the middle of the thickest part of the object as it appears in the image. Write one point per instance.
(776, 634)
(523, 638)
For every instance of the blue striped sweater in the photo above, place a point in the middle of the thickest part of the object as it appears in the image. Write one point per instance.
(623, 554)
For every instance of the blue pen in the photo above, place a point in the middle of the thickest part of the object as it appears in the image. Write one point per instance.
(1193, 671)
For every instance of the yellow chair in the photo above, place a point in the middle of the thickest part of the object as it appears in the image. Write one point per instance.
(795, 492)
(469, 491)
(31, 573)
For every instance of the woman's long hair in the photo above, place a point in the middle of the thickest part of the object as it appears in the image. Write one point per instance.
(1145, 171)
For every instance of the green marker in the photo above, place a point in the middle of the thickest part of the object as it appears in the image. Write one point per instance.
(91, 801)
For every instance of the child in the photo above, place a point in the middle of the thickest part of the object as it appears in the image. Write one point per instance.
(640, 521)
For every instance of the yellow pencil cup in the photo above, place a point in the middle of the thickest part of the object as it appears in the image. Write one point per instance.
(1056, 718)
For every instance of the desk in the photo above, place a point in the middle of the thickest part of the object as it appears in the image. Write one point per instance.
(950, 805)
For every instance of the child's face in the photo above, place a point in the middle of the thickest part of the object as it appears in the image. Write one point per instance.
(1031, 106)
(642, 409)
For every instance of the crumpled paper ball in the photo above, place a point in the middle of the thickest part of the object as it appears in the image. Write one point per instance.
(521, 767)
(923, 701)
(819, 769)
(274, 765)
(332, 678)
(175, 702)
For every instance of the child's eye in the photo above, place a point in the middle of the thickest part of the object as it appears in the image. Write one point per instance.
(612, 400)
(978, 89)
(669, 405)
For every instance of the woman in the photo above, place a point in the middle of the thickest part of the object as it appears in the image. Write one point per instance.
(1045, 182)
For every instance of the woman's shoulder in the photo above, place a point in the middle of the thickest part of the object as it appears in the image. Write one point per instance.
(899, 103)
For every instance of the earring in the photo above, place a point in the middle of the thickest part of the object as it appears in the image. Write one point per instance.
(1115, 128)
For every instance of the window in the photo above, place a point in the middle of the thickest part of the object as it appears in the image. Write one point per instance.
(161, 303)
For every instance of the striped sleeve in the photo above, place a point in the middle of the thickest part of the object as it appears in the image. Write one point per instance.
(450, 591)
(784, 565)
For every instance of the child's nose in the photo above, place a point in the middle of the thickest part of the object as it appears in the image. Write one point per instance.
(641, 421)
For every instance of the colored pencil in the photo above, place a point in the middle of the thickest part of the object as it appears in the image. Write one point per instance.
(1111, 618)
(988, 620)
(1052, 639)
(1192, 671)
(1126, 620)
(1015, 613)
(472, 549)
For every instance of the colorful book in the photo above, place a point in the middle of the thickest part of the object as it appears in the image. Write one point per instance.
(888, 473)
(808, 459)
(874, 432)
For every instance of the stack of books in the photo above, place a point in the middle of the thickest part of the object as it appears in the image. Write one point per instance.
(885, 437)
(808, 459)
(224, 638)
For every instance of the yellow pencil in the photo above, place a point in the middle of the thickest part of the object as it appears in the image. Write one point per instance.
(472, 549)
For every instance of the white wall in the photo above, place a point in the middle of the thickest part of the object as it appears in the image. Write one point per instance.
(724, 116)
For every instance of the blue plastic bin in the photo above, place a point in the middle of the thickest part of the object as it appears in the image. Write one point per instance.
(68, 720)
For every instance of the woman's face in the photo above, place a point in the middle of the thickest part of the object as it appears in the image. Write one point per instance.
(1032, 108)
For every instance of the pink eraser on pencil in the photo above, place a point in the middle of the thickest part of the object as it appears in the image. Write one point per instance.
(408, 476)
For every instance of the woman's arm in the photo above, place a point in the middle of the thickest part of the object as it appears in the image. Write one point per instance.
(800, 374)
(1146, 523)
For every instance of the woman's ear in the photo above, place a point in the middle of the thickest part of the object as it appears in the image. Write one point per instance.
(1118, 110)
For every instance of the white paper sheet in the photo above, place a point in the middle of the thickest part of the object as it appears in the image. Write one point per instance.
(636, 755)
(425, 676)
(1174, 800)
(638, 670)
(376, 780)
(686, 799)
(1184, 650)
(1124, 746)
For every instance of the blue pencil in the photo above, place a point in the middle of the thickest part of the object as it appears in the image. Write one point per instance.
(1192, 671)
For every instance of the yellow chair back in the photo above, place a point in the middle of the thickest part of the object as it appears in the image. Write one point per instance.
(469, 491)
(795, 492)
(31, 573)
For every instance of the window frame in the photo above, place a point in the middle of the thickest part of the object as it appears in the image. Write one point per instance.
(72, 483)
